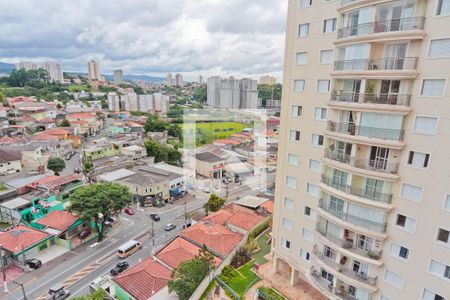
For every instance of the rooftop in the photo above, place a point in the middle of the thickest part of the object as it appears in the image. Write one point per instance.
(208, 157)
(251, 201)
(144, 280)
(115, 175)
(21, 237)
(7, 156)
(59, 219)
(15, 203)
(81, 115)
(178, 251)
(52, 182)
(158, 172)
(235, 215)
(144, 178)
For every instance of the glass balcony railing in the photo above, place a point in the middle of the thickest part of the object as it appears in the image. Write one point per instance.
(345, 2)
(403, 24)
(352, 97)
(401, 63)
(367, 193)
(378, 165)
(355, 220)
(370, 132)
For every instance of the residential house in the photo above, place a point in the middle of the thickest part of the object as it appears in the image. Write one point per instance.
(186, 175)
(13, 101)
(176, 180)
(10, 162)
(134, 151)
(147, 186)
(209, 165)
(85, 122)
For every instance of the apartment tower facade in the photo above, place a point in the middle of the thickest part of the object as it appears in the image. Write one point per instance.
(93, 71)
(362, 205)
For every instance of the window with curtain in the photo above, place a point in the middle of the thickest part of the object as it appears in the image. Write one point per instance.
(429, 295)
(326, 57)
(418, 159)
(425, 125)
(301, 58)
(377, 125)
(305, 3)
(288, 224)
(289, 203)
(329, 25)
(366, 213)
(443, 8)
(303, 30)
(439, 48)
(299, 85)
(323, 85)
(291, 182)
(314, 165)
(293, 159)
(411, 192)
(312, 189)
(320, 113)
(433, 87)
(394, 279)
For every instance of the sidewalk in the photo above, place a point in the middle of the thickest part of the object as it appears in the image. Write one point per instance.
(301, 291)
(11, 272)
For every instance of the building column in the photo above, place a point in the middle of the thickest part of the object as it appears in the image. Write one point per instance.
(275, 264)
(294, 277)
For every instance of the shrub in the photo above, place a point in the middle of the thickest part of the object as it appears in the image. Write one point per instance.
(241, 257)
(269, 294)
(228, 273)
(259, 229)
(251, 245)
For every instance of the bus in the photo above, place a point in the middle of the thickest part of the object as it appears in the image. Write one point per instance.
(128, 248)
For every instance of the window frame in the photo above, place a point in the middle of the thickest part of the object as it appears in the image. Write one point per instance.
(335, 25)
(444, 90)
(306, 54)
(311, 169)
(320, 53)
(446, 195)
(408, 199)
(426, 162)
(295, 86)
(423, 116)
(300, 4)
(390, 283)
(398, 256)
(322, 109)
(404, 227)
(439, 38)
(317, 86)
(307, 33)
(298, 160)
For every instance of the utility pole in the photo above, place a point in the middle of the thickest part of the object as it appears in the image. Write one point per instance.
(153, 235)
(5, 284)
(23, 289)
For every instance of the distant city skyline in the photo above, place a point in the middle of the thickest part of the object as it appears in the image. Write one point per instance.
(180, 38)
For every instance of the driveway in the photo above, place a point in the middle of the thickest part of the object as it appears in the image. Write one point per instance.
(48, 254)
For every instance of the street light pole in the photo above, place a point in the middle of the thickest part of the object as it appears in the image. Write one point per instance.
(5, 284)
(23, 290)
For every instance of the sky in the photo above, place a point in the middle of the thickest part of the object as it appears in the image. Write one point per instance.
(152, 37)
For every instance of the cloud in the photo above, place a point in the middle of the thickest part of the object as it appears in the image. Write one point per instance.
(208, 37)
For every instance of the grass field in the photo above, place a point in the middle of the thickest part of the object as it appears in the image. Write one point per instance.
(240, 284)
(77, 88)
(265, 248)
(206, 132)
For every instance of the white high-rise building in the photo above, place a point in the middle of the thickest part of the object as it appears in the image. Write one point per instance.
(54, 71)
(133, 99)
(26, 65)
(118, 76)
(93, 70)
(200, 79)
(179, 80)
(113, 101)
(232, 93)
(145, 103)
(169, 79)
(362, 200)
(267, 80)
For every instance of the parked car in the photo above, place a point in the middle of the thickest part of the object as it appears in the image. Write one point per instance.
(170, 227)
(84, 234)
(58, 293)
(34, 263)
(128, 211)
(187, 224)
(155, 217)
(206, 190)
(119, 268)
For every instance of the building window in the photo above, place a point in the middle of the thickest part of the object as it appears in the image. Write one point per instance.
(418, 159)
(429, 295)
(443, 236)
(285, 243)
(303, 30)
(409, 224)
(439, 48)
(384, 297)
(439, 269)
(294, 135)
(447, 202)
(315, 165)
(425, 125)
(326, 57)
(317, 139)
(307, 234)
(287, 224)
(301, 58)
(323, 86)
(307, 211)
(411, 192)
(292, 160)
(320, 113)
(291, 182)
(304, 255)
(399, 251)
(329, 25)
(443, 8)
(394, 279)
(433, 87)
(289, 203)
(299, 85)
(312, 189)
(305, 3)
(297, 110)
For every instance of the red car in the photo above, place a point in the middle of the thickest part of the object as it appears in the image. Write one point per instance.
(128, 211)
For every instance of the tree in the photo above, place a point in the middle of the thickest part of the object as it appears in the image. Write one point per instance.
(205, 255)
(56, 164)
(277, 114)
(173, 156)
(175, 111)
(97, 295)
(98, 202)
(153, 124)
(64, 123)
(241, 257)
(188, 276)
(200, 94)
(214, 203)
(2, 98)
(155, 149)
(59, 106)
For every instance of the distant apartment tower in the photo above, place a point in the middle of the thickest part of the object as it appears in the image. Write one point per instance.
(362, 200)
(93, 70)
(113, 101)
(232, 93)
(118, 76)
(200, 79)
(26, 65)
(179, 80)
(169, 79)
(267, 80)
(54, 71)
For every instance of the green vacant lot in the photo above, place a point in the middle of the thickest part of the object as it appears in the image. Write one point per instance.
(244, 280)
(206, 132)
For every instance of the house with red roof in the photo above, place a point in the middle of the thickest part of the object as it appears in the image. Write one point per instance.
(85, 122)
(23, 242)
(144, 281)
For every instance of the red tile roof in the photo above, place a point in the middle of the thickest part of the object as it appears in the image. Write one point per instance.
(25, 119)
(144, 280)
(59, 219)
(47, 120)
(56, 131)
(21, 237)
(44, 137)
(5, 108)
(178, 251)
(236, 215)
(245, 220)
(227, 142)
(52, 182)
(217, 238)
(8, 139)
(81, 115)
(268, 205)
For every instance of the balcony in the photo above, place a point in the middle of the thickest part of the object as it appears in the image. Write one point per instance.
(365, 164)
(370, 132)
(364, 193)
(355, 220)
(345, 2)
(327, 288)
(348, 244)
(402, 63)
(359, 276)
(393, 25)
(388, 99)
